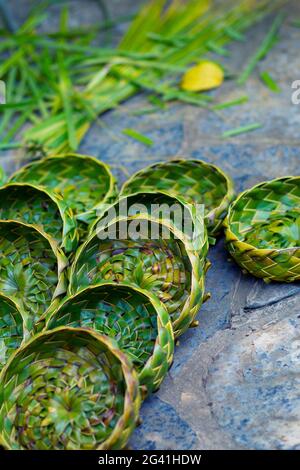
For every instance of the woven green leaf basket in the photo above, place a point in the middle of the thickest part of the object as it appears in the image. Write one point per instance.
(194, 180)
(84, 182)
(68, 389)
(137, 320)
(32, 268)
(161, 207)
(13, 328)
(33, 205)
(157, 261)
(263, 230)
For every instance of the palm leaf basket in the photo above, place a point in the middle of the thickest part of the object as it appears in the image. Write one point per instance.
(263, 230)
(137, 320)
(83, 182)
(13, 328)
(157, 261)
(197, 182)
(161, 207)
(32, 269)
(33, 205)
(68, 389)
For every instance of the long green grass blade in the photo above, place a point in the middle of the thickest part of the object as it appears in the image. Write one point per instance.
(66, 88)
(69, 81)
(139, 137)
(10, 146)
(17, 125)
(242, 130)
(265, 47)
(270, 82)
(7, 115)
(230, 104)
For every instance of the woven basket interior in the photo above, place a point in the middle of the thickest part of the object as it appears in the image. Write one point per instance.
(82, 181)
(122, 313)
(268, 216)
(155, 204)
(31, 206)
(11, 329)
(194, 181)
(62, 392)
(160, 265)
(28, 267)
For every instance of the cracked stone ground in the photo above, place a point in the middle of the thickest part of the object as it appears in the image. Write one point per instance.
(235, 382)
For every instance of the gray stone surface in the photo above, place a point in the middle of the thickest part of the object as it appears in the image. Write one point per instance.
(235, 381)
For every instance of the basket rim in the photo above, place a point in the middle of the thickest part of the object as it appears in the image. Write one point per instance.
(65, 211)
(112, 180)
(132, 398)
(164, 325)
(160, 221)
(61, 260)
(194, 260)
(121, 198)
(233, 238)
(179, 160)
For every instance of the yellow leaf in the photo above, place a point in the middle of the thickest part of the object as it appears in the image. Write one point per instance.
(204, 76)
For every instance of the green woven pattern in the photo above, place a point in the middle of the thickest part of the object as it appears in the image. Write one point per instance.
(32, 205)
(160, 206)
(31, 268)
(12, 329)
(68, 389)
(138, 322)
(194, 180)
(84, 182)
(263, 230)
(162, 266)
